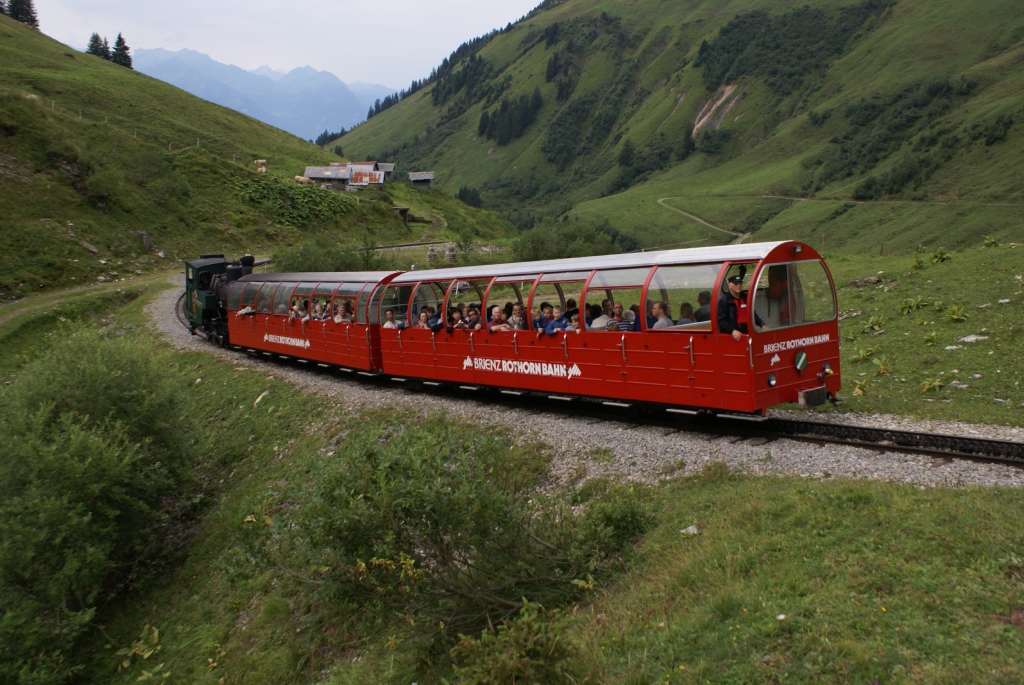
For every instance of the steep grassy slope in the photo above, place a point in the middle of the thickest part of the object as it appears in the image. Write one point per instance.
(906, 108)
(93, 155)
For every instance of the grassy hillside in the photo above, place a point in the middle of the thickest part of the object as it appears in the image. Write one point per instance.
(909, 110)
(307, 555)
(92, 155)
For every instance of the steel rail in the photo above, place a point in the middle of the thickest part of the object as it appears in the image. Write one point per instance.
(940, 445)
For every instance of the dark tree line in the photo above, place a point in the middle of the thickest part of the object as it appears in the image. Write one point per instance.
(101, 48)
(511, 119)
(327, 136)
(469, 195)
(464, 51)
(20, 10)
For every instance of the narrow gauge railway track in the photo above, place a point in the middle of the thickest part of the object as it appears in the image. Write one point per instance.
(886, 439)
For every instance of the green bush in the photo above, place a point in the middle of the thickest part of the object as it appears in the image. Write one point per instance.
(527, 649)
(442, 523)
(562, 238)
(90, 469)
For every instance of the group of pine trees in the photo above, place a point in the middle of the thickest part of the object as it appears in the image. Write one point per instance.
(101, 48)
(20, 10)
(511, 119)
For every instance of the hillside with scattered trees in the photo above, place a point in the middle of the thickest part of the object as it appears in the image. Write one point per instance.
(609, 110)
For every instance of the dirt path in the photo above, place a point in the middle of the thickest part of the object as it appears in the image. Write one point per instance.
(740, 236)
(12, 310)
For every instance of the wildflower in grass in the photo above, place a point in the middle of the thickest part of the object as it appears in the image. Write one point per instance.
(956, 314)
(910, 304)
(883, 366)
(860, 387)
(940, 255)
(874, 323)
(864, 353)
(931, 339)
(991, 241)
(918, 263)
(931, 385)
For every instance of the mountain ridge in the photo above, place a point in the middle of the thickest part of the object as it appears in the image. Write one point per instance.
(876, 103)
(303, 101)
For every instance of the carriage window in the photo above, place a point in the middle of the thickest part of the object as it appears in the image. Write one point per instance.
(264, 298)
(618, 278)
(249, 294)
(300, 299)
(603, 304)
(281, 298)
(320, 303)
(565, 276)
(235, 295)
(794, 294)
(685, 292)
(429, 295)
(366, 314)
(396, 301)
(514, 289)
(343, 308)
(468, 292)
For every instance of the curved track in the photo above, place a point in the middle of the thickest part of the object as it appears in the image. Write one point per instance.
(886, 439)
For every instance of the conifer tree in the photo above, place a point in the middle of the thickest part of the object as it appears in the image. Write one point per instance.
(95, 45)
(120, 54)
(23, 11)
(105, 50)
(3, 8)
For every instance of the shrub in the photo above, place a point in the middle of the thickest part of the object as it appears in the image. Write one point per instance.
(90, 466)
(527, 649)
(442, 522)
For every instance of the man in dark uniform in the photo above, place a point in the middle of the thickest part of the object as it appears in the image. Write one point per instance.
(733, 313)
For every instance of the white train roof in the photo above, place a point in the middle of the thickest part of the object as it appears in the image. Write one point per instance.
(698, 255)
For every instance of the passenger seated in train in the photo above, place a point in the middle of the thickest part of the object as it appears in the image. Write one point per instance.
(281, 309)
(703, 312)
(685, 314)
(574, 323)
(473, 322)
(435, 316)
(298, 310)
(778, 294)
(659, 312)
(496, 322)
(593, 312)
(571, 309)
(535, 318)
(516, 322)
(245, 311)
(424, 319)
(651, 317)
(455, 319)
(600, 319)
(389, 319)
(633, 316)
(557, 322)
(618, 321)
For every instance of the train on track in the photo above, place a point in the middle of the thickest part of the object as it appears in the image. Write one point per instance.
(731, 351)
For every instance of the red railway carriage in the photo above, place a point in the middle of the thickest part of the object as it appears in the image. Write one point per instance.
(321, 317)
(789, 354)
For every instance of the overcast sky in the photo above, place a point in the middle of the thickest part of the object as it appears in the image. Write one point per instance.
(390, 42)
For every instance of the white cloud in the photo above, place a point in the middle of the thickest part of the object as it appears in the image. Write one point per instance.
(378, 41)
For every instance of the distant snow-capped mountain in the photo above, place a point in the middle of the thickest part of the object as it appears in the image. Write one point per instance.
(304, 101)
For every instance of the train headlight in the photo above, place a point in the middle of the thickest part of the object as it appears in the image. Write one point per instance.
(772, 380)
(827, 368)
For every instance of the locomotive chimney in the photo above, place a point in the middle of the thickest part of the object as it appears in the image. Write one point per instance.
(247, 261)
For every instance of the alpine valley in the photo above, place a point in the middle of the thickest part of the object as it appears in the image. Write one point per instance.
(855, 126)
